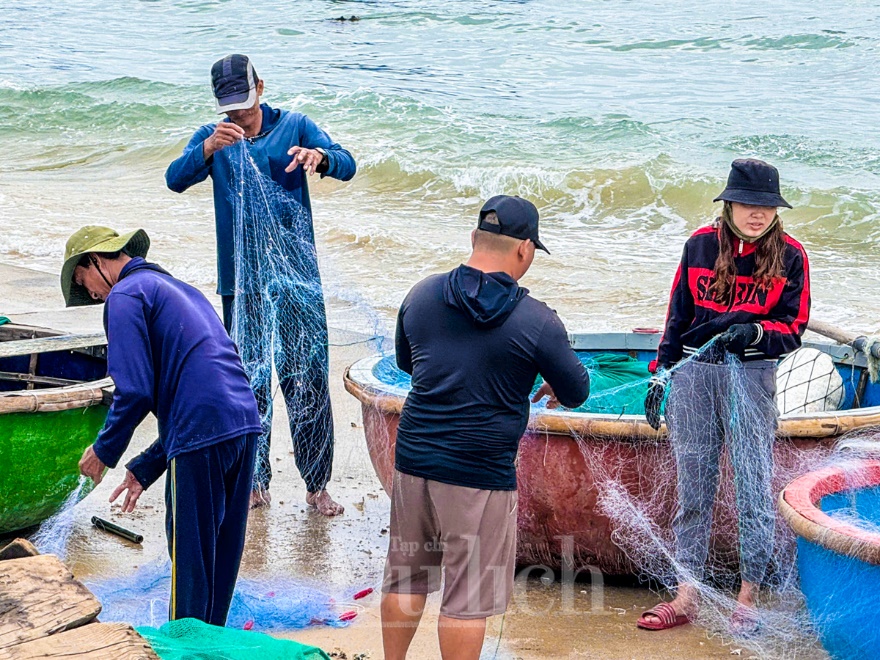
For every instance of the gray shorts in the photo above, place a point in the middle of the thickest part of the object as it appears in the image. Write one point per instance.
(469, 534)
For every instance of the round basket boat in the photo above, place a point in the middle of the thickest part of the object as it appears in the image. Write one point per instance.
(836, 514)
(563, 455)
(54, 398)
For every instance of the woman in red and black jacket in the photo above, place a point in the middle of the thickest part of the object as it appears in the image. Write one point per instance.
(744, 283)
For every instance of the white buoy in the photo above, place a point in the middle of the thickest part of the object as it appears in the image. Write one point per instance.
(807, 381)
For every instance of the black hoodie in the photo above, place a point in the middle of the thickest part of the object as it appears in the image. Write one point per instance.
(474, 343)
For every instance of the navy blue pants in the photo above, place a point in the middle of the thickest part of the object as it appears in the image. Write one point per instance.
(302, 362)
(207, 495)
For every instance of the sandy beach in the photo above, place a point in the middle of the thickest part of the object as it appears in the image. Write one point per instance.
(342, 556)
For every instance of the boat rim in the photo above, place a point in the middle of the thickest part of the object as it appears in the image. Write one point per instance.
(53, 399)
(799, 506)
(361, 382)
(29, 339)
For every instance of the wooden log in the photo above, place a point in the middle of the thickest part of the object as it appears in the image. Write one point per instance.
(51, 344)
(17, 549)
(858, 342)
(61, 398)
(96, 641)
(32, 379)
(39, 597)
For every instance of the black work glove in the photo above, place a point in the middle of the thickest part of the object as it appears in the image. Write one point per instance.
(738, 336)
(654, 398)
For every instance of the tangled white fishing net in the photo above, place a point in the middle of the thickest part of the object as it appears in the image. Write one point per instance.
(279, 318)
(595, 495)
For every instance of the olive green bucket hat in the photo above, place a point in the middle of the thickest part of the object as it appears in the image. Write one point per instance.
(96, 239)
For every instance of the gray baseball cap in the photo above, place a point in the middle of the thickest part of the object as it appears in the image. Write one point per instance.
(235, 83)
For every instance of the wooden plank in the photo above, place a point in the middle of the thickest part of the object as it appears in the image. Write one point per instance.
(51, 344)
(97, 641)
(17, 549)
(38, 597)
(16, 331)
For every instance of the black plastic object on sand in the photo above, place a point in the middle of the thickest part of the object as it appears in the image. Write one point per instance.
(108, 526)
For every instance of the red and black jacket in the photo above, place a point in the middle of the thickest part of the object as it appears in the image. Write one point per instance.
(695, 314)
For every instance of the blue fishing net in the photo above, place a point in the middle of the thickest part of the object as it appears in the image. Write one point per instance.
(275, 604)
(279, 317)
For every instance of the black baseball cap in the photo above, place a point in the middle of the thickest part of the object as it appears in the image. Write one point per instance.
(235, 83)
(517, 218)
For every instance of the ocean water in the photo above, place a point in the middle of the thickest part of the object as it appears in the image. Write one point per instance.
(618, 118)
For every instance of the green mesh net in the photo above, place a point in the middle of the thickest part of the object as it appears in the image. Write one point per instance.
(191, 639)
(618, 384)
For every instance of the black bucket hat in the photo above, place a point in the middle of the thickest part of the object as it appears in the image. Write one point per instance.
(752, 181)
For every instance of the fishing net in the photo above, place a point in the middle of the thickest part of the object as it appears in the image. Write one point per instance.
(807, 381)
(603, 500)
(618, 383)
(279, 318)
(635, 487)
(54, 532)
(267, 604)
(191, 639)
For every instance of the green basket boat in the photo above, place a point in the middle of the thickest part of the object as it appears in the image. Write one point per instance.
(54, 398)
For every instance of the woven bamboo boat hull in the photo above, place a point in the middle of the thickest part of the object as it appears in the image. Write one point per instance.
(566, 458)
(53, 402)
(839, 561)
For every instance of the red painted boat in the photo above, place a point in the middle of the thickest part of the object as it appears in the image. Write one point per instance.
(581, 474)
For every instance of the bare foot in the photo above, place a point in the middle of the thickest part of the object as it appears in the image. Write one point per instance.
(260, 497)
(747, 593)
(324, 503)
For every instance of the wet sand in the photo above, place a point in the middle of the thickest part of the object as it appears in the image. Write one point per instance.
(344, 555)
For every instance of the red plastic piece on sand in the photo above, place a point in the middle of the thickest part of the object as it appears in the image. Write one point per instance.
(348, 616)
(363, 593)
(646, 331)
(248, 625)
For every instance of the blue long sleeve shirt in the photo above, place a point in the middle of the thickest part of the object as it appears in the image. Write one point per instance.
(280, 131)
(168, 353)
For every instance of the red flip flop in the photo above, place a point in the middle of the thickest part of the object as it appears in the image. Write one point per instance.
(666, 615)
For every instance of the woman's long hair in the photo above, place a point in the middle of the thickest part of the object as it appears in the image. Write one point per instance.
(769, 254)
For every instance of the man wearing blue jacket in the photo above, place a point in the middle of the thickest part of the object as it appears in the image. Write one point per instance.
(169, 354)
(285, 146)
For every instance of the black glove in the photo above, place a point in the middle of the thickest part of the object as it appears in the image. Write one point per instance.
(738, 336)
(654, 398)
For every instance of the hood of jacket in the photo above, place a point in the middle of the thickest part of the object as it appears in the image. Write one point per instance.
(488, 298)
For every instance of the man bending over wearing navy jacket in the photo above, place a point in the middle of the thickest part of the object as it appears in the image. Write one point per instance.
(169, 354)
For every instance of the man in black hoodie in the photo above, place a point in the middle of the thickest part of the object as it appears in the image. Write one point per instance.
(474, 342)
